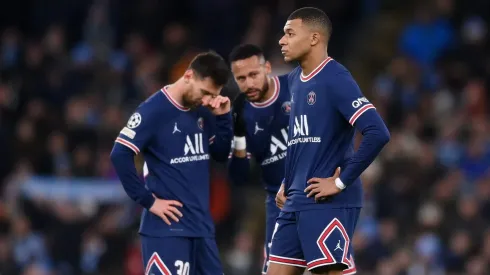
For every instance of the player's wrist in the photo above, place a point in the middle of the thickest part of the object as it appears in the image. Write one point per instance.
(240, 142)
(239, 131)
(148, 201)
(340, 185)
(224, 115)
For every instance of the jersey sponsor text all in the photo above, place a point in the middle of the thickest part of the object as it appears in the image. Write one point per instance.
(301, 131)
(193, 150)
(277, 148)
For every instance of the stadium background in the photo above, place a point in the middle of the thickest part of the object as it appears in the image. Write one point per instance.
(72, 71)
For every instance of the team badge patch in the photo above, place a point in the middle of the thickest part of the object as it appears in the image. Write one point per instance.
(134, 121)
(311, 98)
(286, 107)
(200, 123)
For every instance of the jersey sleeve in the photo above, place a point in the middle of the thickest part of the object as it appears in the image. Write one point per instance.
(348, 98)
(239, 128)
(239, 168)
(133, 138)
(139, 129)
(360, 113)
(221, 135)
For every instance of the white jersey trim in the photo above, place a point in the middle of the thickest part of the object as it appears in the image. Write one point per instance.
(128, 144)
(173, 101)
(273, 98)
(359, 112)
(318, 69)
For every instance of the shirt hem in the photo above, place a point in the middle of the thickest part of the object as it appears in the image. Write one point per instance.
(320, 206)
(169, 235)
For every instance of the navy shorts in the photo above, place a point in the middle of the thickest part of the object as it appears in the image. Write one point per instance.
(271, 214)
(315, 238)
(180, 256)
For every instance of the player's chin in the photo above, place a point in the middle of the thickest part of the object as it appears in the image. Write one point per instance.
(287, 58)
(253, 98)
(196, 105)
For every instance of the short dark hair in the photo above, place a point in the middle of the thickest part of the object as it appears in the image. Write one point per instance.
(314, 17)
(212, 65)
(245, 51)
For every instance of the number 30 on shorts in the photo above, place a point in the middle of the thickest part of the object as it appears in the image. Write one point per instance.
(182, 267)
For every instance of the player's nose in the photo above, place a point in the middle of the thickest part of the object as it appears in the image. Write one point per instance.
(282, 41)
(204, 100)
(249, 83)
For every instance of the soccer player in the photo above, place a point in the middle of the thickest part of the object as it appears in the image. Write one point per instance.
(322, 186)
(261, 115)
(176, 130)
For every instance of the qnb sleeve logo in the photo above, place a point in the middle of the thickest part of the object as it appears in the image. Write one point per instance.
(358, 102)
(301, 131)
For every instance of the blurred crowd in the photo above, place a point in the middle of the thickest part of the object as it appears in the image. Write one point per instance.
(71, 73)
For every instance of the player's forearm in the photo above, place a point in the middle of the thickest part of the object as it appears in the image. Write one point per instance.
(221, 142)
(375, 136)
(123, 161)
(238, 169)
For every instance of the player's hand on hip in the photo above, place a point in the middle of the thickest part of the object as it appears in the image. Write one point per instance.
(323, 187)
(280, 197)
(219, 105)
(166, 209)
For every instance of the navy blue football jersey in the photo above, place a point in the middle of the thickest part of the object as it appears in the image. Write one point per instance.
(266, 135)
(176, 144)
(325, 106)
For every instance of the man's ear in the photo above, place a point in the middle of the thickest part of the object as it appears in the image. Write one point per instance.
(268, 67)
(315, 38)
(188, 74)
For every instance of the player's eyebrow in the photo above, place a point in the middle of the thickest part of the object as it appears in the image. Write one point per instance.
(205, 92)
(288, 30)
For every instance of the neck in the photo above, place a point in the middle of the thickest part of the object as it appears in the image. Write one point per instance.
(310, 62)
(176, 91)
(270, 92)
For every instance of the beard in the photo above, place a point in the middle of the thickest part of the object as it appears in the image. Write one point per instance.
(188, 102)
(257, 95)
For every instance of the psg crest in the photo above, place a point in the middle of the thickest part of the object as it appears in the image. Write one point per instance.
(311, 98)
(200, 123)
(286, 107)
